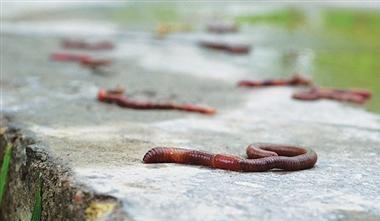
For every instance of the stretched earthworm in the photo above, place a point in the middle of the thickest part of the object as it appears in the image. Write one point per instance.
(84, 60)
(227, 47)
(261, 157)
(116, 96)
(358, 96)
(295, 80)
(355, 91)
(95, 63)
(81, 44)
(69, 57)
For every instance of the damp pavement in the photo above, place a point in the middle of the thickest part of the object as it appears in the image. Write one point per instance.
(103, 145)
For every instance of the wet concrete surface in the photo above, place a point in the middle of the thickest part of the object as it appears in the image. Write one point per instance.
(104, 144)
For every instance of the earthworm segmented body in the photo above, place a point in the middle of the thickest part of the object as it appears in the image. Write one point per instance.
(295, 80)
(69, 57)
(358, 96)
(80, 44)
(116, 96)
(261, 157)
(227, 47)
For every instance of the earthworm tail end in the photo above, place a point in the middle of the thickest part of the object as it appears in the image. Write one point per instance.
(254, 152)
(195, 108)
(362, 92)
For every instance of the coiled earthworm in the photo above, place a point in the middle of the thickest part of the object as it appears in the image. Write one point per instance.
(359, 96)
(261, 157)
(295, 80)
(227, 47)
(116, 96)
(81, 44)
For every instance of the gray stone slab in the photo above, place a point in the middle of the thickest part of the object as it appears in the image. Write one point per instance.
(104, 144)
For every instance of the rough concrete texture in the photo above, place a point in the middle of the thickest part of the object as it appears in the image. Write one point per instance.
(63, 197)
(103, 144)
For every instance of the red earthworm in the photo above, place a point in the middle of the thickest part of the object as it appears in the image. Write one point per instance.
(356, 91)
(69, 57)
(123, 101)
(350, 95)
(231, 48)
(261, 157)
(295, 80)
(95, 63)
(80, 44)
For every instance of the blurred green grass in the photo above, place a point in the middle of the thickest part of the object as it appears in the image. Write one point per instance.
(357, 62)
(289, 18)
(361, 26)
(4, 170)
(350, 69)
(351, 57)
(138, 13)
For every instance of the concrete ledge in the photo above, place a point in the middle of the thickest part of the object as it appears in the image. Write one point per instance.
(62, 197)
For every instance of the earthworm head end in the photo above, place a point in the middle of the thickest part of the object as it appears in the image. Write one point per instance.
(298, 79)
(210, 111)
(102, 95)
(155, 155)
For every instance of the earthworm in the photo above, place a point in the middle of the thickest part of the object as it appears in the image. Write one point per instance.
(69, 57)
(95, 63)
(358, 96)
(221, 28)
(116, 96)
(84, 60)
(356, 91)
(228, 47)
(261, 157)
(81, 44)
(295, 80)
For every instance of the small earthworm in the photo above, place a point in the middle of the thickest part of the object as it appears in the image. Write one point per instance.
(261, 157)
(350, 95)
(116, 96)
(69, 57)
(84, 60)
(81, 44)
(95, 63)
(228, 47)
(295, 80)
